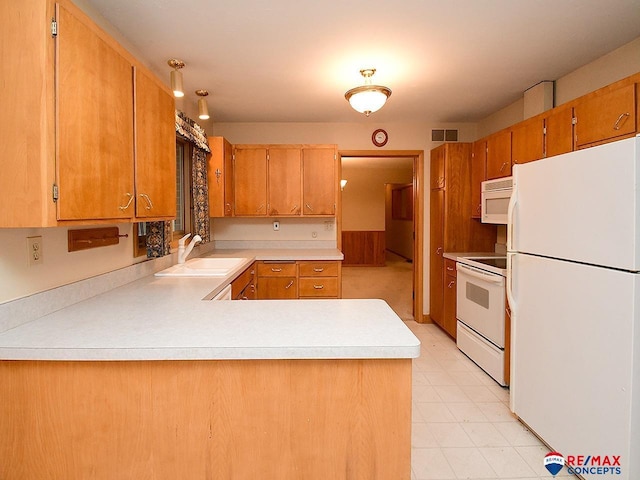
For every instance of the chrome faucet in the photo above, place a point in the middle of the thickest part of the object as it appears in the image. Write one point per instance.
(183, 252)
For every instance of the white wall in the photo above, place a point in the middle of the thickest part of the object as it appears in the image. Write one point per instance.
(614, 66)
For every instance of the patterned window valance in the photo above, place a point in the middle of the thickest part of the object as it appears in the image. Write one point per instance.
(191, 131)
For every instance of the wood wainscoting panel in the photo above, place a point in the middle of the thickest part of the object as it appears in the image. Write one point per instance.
(364, 248)
(217, 420)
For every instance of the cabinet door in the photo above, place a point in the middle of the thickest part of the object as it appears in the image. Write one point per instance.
(94, 101)
(284, 181)
(558, 126)
(220, 177)
(605, 116)
(527, 141)
(250, 181)
(319, 181)
(437, 167)
(478, 175)
(450, 298)
(277, 288)
(155, 164)
(436, 267)
(499, 154)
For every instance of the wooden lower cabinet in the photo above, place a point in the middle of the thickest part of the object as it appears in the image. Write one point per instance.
(244, 286)
(277, 281)
(301, 279)
(450, 297)
(214, 419)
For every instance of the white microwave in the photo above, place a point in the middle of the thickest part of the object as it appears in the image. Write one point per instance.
(495, 195)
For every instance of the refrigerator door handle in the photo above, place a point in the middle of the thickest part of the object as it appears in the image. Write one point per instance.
(509, 290)
(513, 200)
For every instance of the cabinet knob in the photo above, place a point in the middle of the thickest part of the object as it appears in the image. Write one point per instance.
(619, 121)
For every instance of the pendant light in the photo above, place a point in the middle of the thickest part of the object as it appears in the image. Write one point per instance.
(368, 98)
(176, 77)
(203, 108)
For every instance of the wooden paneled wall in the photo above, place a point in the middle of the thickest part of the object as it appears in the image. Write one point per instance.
(365, 248)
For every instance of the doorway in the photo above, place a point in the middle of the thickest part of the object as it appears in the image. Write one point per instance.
(416, 158)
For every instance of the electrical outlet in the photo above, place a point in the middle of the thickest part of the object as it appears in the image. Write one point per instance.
(328, 225)
(34, 250)
(276, 226)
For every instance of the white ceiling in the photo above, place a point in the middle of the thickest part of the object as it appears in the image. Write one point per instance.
(445, 60)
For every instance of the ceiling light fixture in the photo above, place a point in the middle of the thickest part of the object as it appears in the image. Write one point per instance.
(203, 108)
(176, 77)
(368, 98)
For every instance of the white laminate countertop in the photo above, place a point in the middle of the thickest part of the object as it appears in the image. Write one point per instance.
(164, 318)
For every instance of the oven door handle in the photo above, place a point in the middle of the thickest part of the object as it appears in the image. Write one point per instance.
(487, 277)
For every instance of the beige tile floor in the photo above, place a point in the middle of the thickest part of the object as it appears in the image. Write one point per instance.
(462, 427)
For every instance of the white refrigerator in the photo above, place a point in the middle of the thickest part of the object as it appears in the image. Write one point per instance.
(573, 286)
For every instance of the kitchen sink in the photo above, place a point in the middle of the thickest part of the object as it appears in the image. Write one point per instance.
(203, 267)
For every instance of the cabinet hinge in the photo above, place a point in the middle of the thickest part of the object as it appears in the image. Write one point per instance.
(335, 156)
(54, 27)
(54, 192)
(574, 120)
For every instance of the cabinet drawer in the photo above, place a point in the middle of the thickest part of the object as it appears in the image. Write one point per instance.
(318, 269)
(450, 267)
(277, 269)
(319, 287)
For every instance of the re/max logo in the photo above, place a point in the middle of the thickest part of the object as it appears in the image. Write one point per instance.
(593, 460)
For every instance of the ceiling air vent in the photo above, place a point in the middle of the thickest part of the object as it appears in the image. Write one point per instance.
(441, 135)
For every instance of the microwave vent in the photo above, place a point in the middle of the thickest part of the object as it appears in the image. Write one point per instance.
(499, 184)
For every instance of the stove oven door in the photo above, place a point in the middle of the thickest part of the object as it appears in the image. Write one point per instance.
(481, 302)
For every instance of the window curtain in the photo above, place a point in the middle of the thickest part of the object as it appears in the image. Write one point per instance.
(159, 233)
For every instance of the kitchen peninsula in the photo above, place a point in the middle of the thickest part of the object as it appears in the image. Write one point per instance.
(150, 381)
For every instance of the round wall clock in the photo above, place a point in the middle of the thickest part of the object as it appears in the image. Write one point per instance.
(379, 137)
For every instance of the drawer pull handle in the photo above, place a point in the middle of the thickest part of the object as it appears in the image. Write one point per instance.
(318, 287)
(619, 121)
(148, 200)
(289, 285)
(294, 209)
(450, 269)
(309, 207)
(438, 250)
(124, 207)
(503, 166)
(276, 270)
(260, 208)
(318, 269)
(451, 284)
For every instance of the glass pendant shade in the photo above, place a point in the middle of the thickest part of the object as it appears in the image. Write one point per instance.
(176, 83)
(367, 98)
(203, 109)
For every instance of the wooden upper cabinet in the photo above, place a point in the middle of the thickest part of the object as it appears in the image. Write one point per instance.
(605, 115)
(250, 181)
(319, 180)
(155, 156)
(499, 154)
(437, 168)
(95, 125)
(478, 175)
(220, 177)
(558, 127)
(527, 140)
(285, 198)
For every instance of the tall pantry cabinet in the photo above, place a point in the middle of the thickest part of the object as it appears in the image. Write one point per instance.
(451, 227)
